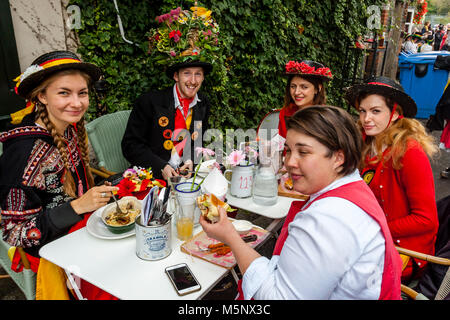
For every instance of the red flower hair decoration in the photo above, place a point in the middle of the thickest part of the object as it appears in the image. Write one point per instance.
(294, 67)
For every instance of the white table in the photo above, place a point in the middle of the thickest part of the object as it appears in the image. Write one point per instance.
(113, 266)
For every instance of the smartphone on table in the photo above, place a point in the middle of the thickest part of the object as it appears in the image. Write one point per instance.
(182, 279)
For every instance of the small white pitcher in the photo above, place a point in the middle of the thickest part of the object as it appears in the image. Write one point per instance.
(241, 180)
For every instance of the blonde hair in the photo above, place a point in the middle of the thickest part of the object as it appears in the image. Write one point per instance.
(397, 136)
(42, 113)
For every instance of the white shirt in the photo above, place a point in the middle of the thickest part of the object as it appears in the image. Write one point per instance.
(175, 160)
(410, 47)
(334, 250)
(426, 48)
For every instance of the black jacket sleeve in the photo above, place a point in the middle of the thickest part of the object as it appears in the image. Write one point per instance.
(137, 139)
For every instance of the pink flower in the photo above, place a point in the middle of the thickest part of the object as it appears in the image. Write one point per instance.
(252, 153)
(129, 173)
(236, 157)
(173, 53)
(205, 151)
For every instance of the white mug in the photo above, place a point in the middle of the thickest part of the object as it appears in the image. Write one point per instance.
(241, 180)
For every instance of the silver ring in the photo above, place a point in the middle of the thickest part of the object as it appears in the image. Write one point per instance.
(103, 195)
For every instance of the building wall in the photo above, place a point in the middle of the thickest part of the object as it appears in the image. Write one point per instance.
(39, 27)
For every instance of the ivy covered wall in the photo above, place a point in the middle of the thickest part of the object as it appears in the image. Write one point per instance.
(260, 36)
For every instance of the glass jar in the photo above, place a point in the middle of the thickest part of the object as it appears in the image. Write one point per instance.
(265, 186)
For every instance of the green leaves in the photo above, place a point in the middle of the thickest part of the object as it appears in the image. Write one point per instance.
(259, 36)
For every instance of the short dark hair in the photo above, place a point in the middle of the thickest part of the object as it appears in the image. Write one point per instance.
(334, 128)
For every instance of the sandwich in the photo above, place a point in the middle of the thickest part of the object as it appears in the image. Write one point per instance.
(209, 206)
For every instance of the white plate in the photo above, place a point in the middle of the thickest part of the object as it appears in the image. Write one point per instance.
(97, 228)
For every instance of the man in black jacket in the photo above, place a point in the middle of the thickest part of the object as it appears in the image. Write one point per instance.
(164, 126)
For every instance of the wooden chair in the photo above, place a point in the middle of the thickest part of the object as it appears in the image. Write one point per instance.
(439, 264)
(105, 135)
(444, 288)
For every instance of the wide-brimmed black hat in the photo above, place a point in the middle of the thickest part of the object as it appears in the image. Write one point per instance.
(308, 68)
(207, 67)
(385, 87)
(47, 65)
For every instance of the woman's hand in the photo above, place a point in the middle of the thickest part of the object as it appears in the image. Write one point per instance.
(188, 166)
(223, 230)
(168, 172)
(93, 199)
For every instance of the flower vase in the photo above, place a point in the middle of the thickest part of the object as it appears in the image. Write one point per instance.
(241, 182)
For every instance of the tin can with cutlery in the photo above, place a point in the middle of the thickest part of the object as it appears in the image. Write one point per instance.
(153, 242)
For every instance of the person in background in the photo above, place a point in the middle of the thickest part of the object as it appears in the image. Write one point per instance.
(428, 45)
(337, 245)
(439, 34)
(426, 27)
(46, 188)
(410, 45)
(304, 88)
(445, 43)
(396, 167)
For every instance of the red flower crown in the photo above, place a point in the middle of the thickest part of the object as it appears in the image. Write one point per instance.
(294, 67)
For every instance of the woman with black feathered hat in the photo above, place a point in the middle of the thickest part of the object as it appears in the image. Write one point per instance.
(395, 165)
(46, 188)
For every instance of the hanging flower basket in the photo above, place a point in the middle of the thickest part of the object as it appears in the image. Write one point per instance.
(421, 11)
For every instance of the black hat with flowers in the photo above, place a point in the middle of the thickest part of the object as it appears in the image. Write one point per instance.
(186, 38)
(48, 64)
(308, 68)
(385, 87)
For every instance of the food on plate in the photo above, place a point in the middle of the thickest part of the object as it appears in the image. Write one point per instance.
(209, 204)
(130, 207)
(221, 248)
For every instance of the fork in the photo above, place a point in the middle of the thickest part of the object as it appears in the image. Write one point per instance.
(119, 212)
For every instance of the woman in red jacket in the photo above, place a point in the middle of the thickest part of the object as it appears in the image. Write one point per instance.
(395, 165)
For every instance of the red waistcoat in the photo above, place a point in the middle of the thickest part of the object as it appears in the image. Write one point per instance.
(359, 194)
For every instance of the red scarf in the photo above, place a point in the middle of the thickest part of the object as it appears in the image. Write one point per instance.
(180, 120)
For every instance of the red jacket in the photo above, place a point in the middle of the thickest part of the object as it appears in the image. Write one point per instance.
(407, 197)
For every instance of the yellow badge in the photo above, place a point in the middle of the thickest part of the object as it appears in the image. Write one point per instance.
(368, 176)
(163, 121)
(168, 144)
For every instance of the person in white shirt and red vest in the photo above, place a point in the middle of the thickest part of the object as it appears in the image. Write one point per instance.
(335, 245)
(166, 126)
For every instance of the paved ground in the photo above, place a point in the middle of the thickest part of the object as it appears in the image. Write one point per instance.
(226, 289)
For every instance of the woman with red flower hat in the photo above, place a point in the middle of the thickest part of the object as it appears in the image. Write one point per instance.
(396, 167)
(305, 87)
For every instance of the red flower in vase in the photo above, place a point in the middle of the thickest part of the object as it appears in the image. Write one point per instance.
(126, 188)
